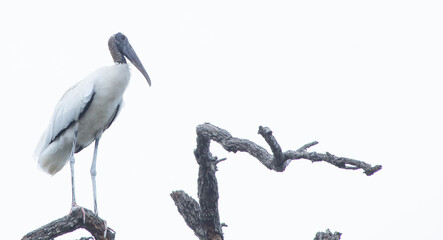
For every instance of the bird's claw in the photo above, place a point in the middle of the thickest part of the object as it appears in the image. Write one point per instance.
(74, 207)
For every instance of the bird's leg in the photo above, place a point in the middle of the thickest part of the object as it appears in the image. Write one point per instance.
(72, 161)
(94, 174)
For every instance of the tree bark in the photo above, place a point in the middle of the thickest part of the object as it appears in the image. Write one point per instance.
(203, 216)
(78, 218)
(328, 235)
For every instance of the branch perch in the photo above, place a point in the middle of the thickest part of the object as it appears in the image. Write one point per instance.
(78, 218)
(203, 216)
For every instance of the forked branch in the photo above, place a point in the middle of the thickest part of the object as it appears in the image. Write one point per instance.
(279, 160)
(203, 216)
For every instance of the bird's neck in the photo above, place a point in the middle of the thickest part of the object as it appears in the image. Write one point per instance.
(117, 56)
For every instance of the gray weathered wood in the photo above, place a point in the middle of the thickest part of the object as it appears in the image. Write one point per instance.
(78, 218)
(203, 216)
(328, 235)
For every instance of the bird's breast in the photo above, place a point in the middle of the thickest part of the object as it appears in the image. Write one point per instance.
(109, 87)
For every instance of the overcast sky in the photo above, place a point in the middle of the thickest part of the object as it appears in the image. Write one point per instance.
(361, 77)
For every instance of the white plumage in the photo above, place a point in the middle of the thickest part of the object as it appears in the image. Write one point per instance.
(86, 110)
(106, 86)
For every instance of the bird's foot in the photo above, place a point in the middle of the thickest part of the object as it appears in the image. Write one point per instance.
(74, 207)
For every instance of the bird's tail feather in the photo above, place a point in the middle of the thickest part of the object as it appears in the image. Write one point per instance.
(54, 157)
(42, 145)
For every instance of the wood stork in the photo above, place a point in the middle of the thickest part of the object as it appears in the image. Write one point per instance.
(85, 111)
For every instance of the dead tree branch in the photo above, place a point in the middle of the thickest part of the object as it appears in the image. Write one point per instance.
(203, 216)
(328, 235)
(78, 218)
(191, 212)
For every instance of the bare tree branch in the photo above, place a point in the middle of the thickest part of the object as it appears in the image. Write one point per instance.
(328, 235)
(78, 218)
(278, 161)
(191, 212)
(203, 216)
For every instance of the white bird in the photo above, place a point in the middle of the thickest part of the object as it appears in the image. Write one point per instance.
(85, 111)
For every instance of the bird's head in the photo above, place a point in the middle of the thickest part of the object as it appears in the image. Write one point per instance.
(121, 48)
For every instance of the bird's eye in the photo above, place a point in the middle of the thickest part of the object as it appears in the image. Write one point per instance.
(123, 37)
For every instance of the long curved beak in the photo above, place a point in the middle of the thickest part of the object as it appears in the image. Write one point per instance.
(129, 52)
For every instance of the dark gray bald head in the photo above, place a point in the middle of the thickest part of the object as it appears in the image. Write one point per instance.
(120, 48)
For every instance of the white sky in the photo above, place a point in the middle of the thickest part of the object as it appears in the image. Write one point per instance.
(363, 79)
